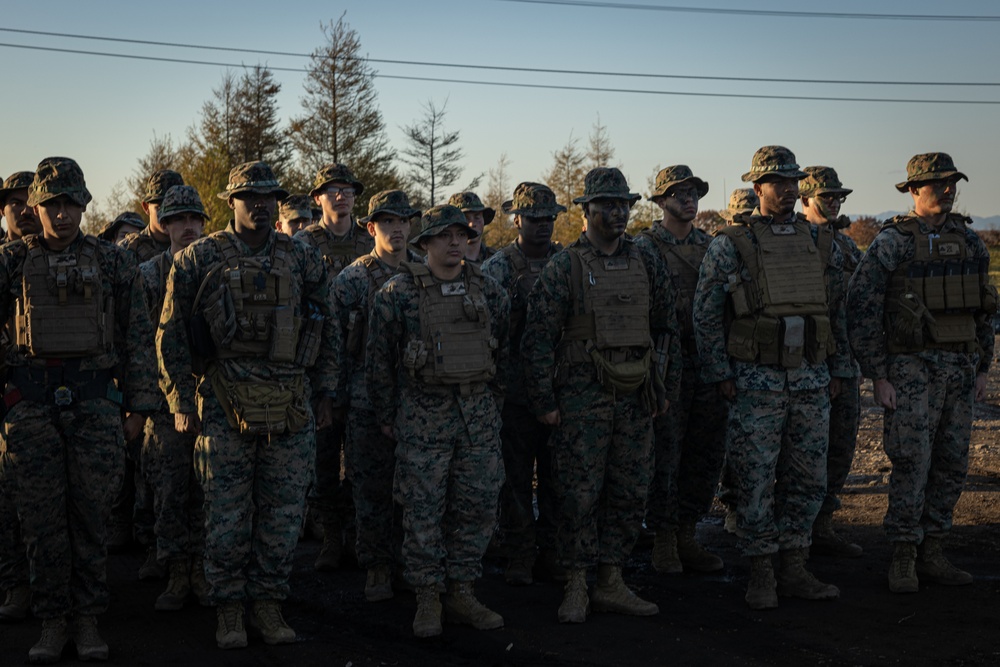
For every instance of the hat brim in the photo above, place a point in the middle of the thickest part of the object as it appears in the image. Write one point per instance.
(437, 231)
(279, 193)
(163, 218)
(79, 198)
(358, 187)
(754, 176)
(700, 186)
(631, 197)
(6, 192)
(824, 191)
(536, 212)
(932, 176)
(408, 213)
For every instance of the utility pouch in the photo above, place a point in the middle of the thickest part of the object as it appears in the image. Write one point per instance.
(819, 339)
(954, 291)
(738, 295)
(907, 330)
(414, 356)
(934, 287)
(310, 335)
(793, 341)
(262, 408)
(768, 338)
(621, 378)
(283, 335)
(959, 328)
(741, 344)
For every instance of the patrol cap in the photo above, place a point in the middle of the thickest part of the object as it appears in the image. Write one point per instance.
(821, 180)
(295, 206)
(335, 173)
(533, 199)
(158, 184)
(469, 202)
(773, 161)
(181, 199)
(130, 218)
(56, 177)
(439, 218)
(389, 201)
(929, 167)
(675, 175)
(19, 180)
(253, 177)
(742, 200)
(608, 183)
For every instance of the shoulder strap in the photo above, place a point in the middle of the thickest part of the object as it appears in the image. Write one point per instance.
(824, 242)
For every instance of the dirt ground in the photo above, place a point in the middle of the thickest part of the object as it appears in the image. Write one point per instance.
(703, 619)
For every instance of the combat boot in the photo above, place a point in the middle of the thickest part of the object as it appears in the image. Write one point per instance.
(89, 645)
(903, 569)
(199, 584)
(378, 585)
(795, 581)
(575, 603)
(762, 591)
(178, 587)
(230, 632)
(268, 621)
(427, 620)
(692, 555)
(332, 550)
(934, 567)
(519, 571)
(462, 607)
(16, 602)
(665, 557)
(826, 541)
(151, 567)
(612, 595)
(50, 647)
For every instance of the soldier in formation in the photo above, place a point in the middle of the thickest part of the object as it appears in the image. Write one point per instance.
(124, 224)
(478, 216)
(294, 214)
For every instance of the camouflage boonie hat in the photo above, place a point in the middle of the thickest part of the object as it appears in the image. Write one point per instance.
(181, 199)
(19, 180)
(821, 180)
(55, 177)
(671, 176)
(533, 199)
(929, 167)
(253, 177)
(158, 184)
(439, 218)
(295, 206)
(742, 200)
(470, 202)
(389, 201)
(773, 161)
(606, 182)
(335, 173)
(130, 218)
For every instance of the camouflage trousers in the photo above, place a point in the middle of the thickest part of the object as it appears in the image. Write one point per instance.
(13, 561)
(178, 501)
(371, 458)
(133, 504)
(526, 453)
(845, 414)
(601, 467)
(64, 468)
(331, 493)
(927, 439)
(689, 445)
(255, 488)
(449, 495)
(777, 449)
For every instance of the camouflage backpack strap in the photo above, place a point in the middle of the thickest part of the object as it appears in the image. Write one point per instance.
(230, 254)
(421, 274)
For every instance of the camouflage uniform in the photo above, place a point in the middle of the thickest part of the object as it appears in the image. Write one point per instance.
(469, 202)
(254, 484)
(109, 232)
(524, 438)
(64, 452)
(741, 201)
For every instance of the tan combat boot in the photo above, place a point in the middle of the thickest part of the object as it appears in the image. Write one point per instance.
(694, 556)
(178, 587)
(575, 603)
(665, 558)
(612, 595)
(230, 632)
(89, 645)
(934, 567)
(762, 591)
(50, 647)
(826, 541)
(16, 602)
(427, 620)
(378, 584)
(903, 570)
(199, 584)
(268, 621)
(461, 606)
(795, 581)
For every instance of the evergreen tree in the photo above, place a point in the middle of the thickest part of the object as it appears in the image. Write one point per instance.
(433, 155)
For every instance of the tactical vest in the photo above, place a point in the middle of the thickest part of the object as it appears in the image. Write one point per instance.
(932, 298)
(827, 237)
(456, 344)
(357, 323)
(339, 254)
(144, 246)
(63, 311)
(781, 314)
(526, 273)
(684, 262)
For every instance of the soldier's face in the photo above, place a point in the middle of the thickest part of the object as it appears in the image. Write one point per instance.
(447, 249)
(293, 226)
(60, 218)
(777, 195)
(475, 220)
(184, 229)
(390, 232)
(153, 211)
(21, 219)
(124, 231)
(679, 203)
(253, 210)
(606, 217)
(336, 199)
(535, 230)
(822, 208)
(934, 197)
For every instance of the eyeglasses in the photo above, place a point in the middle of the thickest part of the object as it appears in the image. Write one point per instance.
(333, 191)
(830, 197)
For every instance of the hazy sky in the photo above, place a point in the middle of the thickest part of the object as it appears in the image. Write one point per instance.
(104, 111)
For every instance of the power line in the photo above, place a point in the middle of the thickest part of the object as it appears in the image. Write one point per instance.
(501, 68)
(757, 12)
(519, 84)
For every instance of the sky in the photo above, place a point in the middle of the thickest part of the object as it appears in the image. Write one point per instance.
(104, 111)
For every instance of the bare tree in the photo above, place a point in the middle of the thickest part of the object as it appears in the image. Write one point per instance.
(433, 155)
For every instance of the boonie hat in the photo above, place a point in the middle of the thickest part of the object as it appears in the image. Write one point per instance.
(469, 202)
(675, 175)
(253, 177)
(773, 161)
(439, 218)
(389, 201)
(57, 177)
(533, 199)
(606, 182)
(929, 167)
